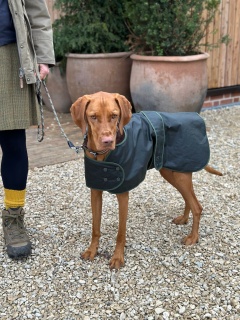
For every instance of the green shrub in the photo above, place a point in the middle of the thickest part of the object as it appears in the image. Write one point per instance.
(169, 27)
(89, 26)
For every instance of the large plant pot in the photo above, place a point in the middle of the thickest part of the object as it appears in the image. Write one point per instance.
(169, 84)
(57, 87)
(90, 73)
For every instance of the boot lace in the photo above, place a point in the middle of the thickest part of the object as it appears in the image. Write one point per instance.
(14, 223)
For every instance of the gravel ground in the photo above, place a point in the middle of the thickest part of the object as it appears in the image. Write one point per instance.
(161, 279)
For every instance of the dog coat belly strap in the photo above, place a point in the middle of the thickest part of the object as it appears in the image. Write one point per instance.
(158, 133)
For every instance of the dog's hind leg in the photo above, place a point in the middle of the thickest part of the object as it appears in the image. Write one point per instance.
(183, 183)
(183, 219)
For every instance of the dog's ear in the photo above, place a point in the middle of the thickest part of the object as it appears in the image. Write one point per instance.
(126, 110)
(78, 111)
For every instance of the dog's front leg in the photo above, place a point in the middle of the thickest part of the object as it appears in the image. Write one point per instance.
(117, 259)
(96, 204)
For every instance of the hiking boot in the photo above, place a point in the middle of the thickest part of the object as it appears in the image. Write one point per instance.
(15, 235)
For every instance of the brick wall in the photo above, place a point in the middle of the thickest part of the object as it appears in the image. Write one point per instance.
(222, 99)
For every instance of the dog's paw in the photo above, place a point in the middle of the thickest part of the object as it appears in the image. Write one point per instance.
(180, 220)
(89, 254)
(116, 262)
(190, 240)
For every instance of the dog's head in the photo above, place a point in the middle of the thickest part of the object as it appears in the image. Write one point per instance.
(103, 114)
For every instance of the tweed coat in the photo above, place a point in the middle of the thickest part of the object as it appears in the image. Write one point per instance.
(18, 106)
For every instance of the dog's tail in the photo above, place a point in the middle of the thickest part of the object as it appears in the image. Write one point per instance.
(213, 171)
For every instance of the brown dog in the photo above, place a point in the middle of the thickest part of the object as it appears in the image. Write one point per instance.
(102, 117)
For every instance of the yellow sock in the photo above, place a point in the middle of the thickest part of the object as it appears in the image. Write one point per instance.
(14, 198)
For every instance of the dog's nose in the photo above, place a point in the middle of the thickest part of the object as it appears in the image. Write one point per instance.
(107, 140)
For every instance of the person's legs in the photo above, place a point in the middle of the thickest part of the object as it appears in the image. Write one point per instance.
(14, 167)
(14, 171)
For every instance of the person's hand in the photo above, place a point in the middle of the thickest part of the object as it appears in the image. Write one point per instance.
(43, 70)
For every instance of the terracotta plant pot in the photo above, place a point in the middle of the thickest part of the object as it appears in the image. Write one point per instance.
(57, 87)
(90, 73)
(169, 84)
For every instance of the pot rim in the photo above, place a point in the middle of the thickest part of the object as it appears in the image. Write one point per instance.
(196, 57)
(98, 55)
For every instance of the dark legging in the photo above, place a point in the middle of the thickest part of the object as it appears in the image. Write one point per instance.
(14, 166)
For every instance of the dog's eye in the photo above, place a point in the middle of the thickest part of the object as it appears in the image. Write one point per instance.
(93, 117)
(114, 116)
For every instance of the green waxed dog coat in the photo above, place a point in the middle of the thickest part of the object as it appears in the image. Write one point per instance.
(176, 141)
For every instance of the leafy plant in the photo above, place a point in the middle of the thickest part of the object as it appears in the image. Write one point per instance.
(170, 27)
(89, 26)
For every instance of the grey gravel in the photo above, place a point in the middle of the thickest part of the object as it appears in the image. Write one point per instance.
(161, 279)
